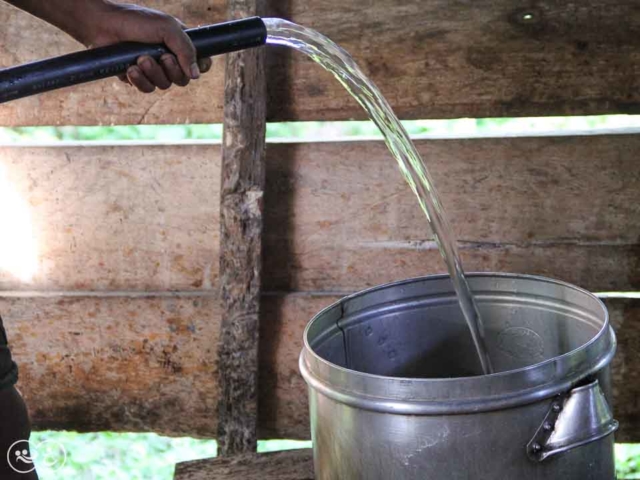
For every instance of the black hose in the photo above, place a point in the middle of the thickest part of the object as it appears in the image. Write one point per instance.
(89, 65)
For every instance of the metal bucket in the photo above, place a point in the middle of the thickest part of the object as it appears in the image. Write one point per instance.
(392, 397)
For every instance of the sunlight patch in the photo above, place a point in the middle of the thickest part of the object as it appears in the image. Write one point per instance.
(18, 245)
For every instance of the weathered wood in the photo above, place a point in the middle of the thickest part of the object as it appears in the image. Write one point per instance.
(241, 212)
(123, 218)
(433, 59)
(132, 218)
(287, 465)
(284, 410)
(146, 364)
(109, 218)
(625, 318)
(339, 216)
(117, 364)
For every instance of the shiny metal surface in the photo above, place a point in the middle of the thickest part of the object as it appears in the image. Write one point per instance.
(580, 417)
(394, 391)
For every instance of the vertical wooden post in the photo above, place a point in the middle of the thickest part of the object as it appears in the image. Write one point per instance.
(241, 207)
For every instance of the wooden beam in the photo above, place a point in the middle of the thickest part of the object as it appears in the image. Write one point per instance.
(287, 465)
(339, 215)
(241, 212)
(435, 59)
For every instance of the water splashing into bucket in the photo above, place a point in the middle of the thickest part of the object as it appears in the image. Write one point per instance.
(337, 61)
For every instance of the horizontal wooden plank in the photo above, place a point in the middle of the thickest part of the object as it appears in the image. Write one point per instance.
(113, 218)
(340, 216)
(287, 465)
(443, 59)
(146, 364)
(146, 217)
(122, 364)
(350, 267)
(283, 407)
(625, 318)
(434, 59)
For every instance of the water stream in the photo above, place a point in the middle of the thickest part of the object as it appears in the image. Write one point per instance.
(337, 61)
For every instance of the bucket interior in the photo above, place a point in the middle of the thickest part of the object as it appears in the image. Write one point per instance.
(416, 329)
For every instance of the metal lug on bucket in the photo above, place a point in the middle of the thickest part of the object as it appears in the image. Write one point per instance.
(576, 418)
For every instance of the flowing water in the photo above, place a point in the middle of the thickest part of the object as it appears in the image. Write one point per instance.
(337, 61)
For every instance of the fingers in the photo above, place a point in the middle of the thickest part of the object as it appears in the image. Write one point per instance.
(180, 44)
(154, 72)
(173, 71)
(205, 65)
(148, 74)
(123, 78)
(139, 80)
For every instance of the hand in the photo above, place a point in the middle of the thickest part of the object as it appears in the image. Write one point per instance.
(130, 23)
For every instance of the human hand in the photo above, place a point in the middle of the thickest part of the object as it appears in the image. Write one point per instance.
(116, 23)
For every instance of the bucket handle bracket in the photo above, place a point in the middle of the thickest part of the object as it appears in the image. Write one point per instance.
(576, 418)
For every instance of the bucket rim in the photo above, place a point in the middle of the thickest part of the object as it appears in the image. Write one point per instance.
(476, 393)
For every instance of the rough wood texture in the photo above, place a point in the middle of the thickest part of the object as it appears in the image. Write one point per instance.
(449, 59)
(436, 59)
(110, 218)
(340, 209)
(625, 318)
(241, 212)
(132, 218)
(284, 410)
(117, 364)
(288, 465)
(146, 364)
(339, 216)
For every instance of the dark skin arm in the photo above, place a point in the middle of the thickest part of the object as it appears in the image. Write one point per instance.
(96, 23)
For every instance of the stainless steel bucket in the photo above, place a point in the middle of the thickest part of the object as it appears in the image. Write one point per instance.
(392, 394)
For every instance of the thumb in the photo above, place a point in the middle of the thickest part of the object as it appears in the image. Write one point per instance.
(182, 47)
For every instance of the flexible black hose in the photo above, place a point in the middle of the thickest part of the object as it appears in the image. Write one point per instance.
(89, 65)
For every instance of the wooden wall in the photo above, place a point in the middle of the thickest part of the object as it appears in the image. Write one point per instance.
(118, 327)
(432, 59)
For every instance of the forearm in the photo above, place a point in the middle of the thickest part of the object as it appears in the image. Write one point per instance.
(71, 16)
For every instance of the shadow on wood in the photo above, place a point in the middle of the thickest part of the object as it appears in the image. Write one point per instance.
(287, 465)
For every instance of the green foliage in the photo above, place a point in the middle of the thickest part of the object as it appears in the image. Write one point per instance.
(628, 461)
(321, 130)
(131, 456)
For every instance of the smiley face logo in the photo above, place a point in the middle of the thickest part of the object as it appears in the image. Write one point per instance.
(19, 458)
(49, 454)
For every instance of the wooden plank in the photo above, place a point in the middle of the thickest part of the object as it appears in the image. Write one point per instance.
(339, 216)
(122, 218)
(241, 213)
(117, 364)
(146, 364)
(114, 218)
(434, 59)
(287, 465)
(352, 266)
(487, 58)
(284, 410)
(625, 318)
